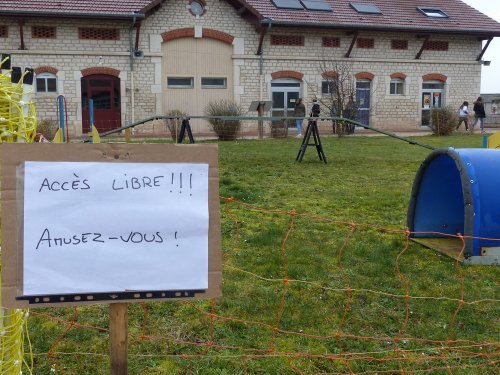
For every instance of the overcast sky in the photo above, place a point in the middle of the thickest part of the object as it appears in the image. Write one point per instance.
(490, 77)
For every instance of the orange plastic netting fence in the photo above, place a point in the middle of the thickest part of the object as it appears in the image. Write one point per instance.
(302, 294)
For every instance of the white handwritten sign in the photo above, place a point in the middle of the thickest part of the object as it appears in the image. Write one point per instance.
(114, 227)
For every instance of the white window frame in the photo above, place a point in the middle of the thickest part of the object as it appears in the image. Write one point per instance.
(46, 76)
(395, 82)
(291, 85)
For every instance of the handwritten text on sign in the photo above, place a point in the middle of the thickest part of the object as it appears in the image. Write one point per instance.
(114, 227)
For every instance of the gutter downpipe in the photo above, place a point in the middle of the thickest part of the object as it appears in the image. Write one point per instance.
(261, 58)
(261, 81)
(132, 88)
(131, 48)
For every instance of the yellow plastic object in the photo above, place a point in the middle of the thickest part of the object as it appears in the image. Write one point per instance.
(494, 140)
(17, 124)
(17, 111)
(95, 135)
(58, 136)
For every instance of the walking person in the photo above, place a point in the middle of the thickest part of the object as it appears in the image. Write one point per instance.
(463, 114)
(479, 114)
(299, 111)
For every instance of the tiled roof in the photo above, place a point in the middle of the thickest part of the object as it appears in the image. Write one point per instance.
(396, 14)
(76, 8)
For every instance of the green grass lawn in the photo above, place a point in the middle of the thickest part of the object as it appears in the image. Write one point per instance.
(309, 324)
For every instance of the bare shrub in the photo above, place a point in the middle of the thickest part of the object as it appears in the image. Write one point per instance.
(279, 128)
(48, 128)
(174, 125)
(226, 130)
(443, 120)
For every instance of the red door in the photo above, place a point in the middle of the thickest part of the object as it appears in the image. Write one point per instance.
(104, 90)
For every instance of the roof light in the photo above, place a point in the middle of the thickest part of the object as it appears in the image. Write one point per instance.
(433, 12)
(316, 5)
(320, 5)
(366, 8)
(287, 4)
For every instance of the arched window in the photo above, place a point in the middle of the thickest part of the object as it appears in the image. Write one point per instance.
(46, 83)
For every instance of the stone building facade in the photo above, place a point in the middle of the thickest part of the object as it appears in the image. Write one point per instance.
(492, 109)
(183, 60)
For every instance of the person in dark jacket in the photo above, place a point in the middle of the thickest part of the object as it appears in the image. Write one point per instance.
(299, 111)
(479, 114)
(315, 110)
(350, 111)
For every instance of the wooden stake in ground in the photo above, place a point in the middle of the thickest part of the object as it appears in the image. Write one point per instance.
(118, 334)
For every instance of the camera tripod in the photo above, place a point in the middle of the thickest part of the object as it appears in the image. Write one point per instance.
(185, 127)
(312, 129)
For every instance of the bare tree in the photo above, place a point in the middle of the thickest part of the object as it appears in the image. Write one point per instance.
(338, 93)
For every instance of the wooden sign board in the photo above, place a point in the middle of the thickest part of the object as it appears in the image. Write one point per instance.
(254, 105)
(101, 223)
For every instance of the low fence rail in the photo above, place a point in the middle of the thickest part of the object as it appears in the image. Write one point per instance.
(279, 124)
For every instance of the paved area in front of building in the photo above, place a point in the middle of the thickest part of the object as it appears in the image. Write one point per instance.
(414, 133)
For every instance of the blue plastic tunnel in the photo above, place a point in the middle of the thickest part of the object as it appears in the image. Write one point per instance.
(458, 191)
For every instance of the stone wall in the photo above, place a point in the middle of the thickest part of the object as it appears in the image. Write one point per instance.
(492, 109)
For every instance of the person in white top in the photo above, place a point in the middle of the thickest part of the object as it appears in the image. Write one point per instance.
(464, 115)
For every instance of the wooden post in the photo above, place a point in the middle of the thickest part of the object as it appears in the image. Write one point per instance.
(127, 135)
(118, 333)
(176, 129)
(260, 112)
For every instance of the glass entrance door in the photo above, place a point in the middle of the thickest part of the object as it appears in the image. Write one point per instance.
(432, 97)
(363, 102)
(284, 95)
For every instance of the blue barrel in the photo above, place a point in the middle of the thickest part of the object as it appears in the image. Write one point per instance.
(457, 191)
